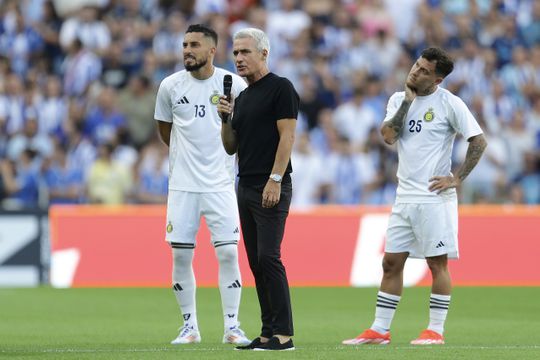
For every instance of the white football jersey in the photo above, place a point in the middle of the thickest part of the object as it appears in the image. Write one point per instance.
(197, 160)
(426, 141)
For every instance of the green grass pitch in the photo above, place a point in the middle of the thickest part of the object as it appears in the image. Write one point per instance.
(44, 323)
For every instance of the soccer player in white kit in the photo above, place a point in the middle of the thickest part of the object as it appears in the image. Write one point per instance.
(201, 180)
(423, 120)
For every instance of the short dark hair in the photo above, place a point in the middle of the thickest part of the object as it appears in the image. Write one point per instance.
(201, 28)
(444, 65)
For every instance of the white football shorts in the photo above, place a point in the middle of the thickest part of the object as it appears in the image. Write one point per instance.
(184, 211)
(423, 230)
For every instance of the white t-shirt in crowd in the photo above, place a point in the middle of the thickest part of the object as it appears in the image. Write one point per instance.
(197, 160)
(425, 144)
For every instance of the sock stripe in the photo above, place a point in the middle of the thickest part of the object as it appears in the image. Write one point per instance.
(176, 245)
(440, 302)
(438, 307)
(387, 307)
(386, 302)
(391, 301)
(223, 243)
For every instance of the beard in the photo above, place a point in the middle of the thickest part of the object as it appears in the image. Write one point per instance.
(196, 66)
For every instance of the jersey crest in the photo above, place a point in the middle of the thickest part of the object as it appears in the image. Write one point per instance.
(429, 115)
(214, 98)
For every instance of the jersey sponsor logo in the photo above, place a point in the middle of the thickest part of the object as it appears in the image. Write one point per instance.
(183, 100)
(429, 115)
(169, 227)
(214, 98)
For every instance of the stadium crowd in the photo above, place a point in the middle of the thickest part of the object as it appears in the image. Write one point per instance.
(78, 81)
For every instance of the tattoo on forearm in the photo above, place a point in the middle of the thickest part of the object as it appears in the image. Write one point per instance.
(396, 123)
(474, 153)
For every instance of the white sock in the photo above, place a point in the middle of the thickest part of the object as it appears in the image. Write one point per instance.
(184, 285)
(438, 309)
(230, 281)
(384, 312)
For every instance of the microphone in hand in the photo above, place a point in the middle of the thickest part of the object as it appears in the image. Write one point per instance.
(227, 85)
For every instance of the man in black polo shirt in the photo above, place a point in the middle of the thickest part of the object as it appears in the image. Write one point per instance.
(262, 132)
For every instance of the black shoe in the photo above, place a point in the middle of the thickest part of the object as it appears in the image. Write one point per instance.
(274, 344)
(255, 343)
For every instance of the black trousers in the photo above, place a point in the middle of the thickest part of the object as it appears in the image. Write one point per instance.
(263, 230)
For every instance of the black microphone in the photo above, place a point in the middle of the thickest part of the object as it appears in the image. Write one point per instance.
(227, 85)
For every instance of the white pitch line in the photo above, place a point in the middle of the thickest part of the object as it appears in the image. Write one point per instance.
(363, 347)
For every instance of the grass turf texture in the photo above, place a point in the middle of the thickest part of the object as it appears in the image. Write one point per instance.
(483, 323)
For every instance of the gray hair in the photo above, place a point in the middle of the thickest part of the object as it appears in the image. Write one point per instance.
(261, 40)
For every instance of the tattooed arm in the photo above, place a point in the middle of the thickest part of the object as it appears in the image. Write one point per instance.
(390, 130)
(477, 145)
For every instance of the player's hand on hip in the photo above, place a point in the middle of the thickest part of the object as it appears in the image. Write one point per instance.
(441, 183)
(271, 194)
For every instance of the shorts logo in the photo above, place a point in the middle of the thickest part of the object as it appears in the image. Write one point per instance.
(214, 98)
(236, 231)
(169, 227)
(429, 115)
(439, 245)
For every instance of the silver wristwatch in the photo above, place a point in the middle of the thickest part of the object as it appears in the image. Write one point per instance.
(276, 178)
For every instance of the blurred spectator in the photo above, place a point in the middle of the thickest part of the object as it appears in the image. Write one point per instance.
(52, 110)
(80, 151)
(19, 43)
(114, 73)
(152, 176)
(49, 28)
(104, 121)
(307, 174)
(109, 182)
(64, 179)
(167, 45)
(310, 103)
(30, 138)
(81, 68)
(137, 103)
(485, 183)
(347, 174)
(519, 141)
(527, 183)
(354, 119)
(12, 105)
(21, 181)
(531, 31)
(509, 38)
(498, 107)
(88, 28)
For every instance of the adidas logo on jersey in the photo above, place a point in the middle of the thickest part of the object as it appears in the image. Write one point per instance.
(183, 100)
(236, 231)
(439, 245)
(235, 284)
